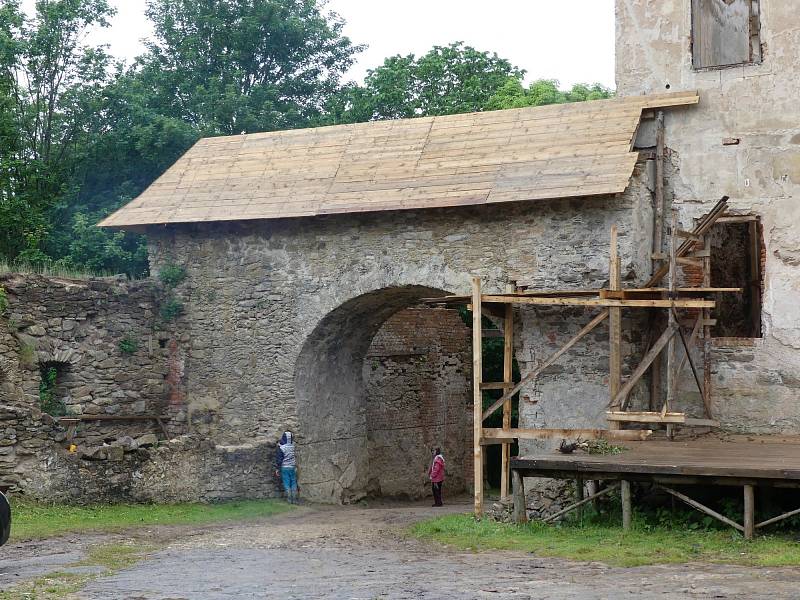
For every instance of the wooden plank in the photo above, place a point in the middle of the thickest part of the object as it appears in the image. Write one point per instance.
(645, 417)
(477, 395)
(497, 385)
(607, 303)
(493, 434)
(702, 508)
(546, 363)
(622, 397)
(508, 377)
(781, 517)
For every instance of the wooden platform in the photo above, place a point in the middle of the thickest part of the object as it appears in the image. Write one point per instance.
(755, 461)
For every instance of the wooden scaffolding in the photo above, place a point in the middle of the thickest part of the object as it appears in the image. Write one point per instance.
(681, 304)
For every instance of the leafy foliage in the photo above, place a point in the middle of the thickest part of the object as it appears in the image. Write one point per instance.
(171, 310)
(128, 345)
(172, 275)
(81, 134)
(3, 301)
(447, 80)
(48, 401)
(513, 94)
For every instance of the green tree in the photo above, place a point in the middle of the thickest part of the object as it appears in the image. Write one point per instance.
(513, 94)
(227, 66)
(51, 86)
(447, 80)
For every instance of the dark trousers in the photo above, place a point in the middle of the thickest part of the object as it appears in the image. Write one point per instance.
(437, 492)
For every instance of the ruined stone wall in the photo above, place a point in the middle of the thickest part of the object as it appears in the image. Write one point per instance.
(418, 386)
(115, 356)
(280, 315)
(743, 140)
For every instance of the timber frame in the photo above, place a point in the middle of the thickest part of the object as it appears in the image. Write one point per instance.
(680, 305)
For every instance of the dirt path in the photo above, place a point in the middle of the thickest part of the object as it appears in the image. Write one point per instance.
(356, 553)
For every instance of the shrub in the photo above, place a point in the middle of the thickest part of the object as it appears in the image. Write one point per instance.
(128, 345)
(3, 301)
(172, 275)
(48, 401)
(171, 309)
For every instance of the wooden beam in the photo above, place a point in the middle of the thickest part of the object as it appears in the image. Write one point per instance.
(778, 518)
(477, 395)
(601, 302)
(614, 326)
(508, 377)
(707, 333)
(691, 363)
(628, 435)
(658, 228)
(749, 512)
(646, 417)
(622, 397)
(704, 509)
(497, 385)
(702, 227)
(581, 502)
(549, 361)
(520, 503)
(627, 504)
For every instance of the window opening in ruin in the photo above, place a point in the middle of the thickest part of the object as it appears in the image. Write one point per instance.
(725, 33)
(736, 261)
(51, 388)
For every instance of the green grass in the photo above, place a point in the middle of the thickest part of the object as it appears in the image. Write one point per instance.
(643, 545)
(38, 521)
(58, 584)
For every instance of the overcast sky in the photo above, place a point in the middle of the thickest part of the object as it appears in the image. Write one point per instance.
(568, 40)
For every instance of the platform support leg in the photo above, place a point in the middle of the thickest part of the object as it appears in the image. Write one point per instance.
(579, 495)
(625, 493)
(749, 512)
(518, 494)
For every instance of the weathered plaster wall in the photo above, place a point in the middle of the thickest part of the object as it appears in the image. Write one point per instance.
(280, 315)
(417, 384)
(755, 380)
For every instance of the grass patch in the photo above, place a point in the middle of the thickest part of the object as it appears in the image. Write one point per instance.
(38, 521)
(58, 584)
(643, 545)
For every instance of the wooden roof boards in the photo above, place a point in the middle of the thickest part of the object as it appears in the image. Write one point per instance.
(556, 151)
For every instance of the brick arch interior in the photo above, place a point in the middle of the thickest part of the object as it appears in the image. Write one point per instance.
(332, 415)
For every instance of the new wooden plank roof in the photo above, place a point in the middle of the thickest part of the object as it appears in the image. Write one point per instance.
(556, 151)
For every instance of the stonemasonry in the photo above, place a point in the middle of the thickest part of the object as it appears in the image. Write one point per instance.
(77, 326)
(280, 315)
(743, 140)
(417, 381)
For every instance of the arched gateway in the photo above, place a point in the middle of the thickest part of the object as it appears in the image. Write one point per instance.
(298, 245)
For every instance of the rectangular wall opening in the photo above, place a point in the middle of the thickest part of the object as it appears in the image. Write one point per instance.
(725, 33)
(736, 261)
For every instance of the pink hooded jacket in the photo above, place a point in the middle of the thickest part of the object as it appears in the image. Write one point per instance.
(436, 471)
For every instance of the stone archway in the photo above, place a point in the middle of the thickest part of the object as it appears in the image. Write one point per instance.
(330, 393)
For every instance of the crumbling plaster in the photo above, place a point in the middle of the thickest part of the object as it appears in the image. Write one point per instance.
(758, 105)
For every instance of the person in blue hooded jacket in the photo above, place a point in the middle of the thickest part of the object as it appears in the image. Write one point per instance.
(286, 466)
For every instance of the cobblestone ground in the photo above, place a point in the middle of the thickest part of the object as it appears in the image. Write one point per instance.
(357, 553)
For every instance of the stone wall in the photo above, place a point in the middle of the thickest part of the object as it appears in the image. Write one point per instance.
(418, 386)
(114, 357)
(743, 140)
(280, 315)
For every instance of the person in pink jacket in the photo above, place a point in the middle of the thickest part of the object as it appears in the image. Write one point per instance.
(436, 474)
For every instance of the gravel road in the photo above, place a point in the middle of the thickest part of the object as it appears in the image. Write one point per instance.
(358, 553)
